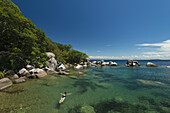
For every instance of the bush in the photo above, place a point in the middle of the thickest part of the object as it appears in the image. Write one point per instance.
(1, 75)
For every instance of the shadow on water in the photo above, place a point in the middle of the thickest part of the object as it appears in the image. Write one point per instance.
(85, 84)
(58, 106)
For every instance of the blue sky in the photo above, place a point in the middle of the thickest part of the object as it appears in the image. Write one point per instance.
(109, 29)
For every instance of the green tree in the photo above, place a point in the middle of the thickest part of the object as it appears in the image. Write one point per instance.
(21, 43)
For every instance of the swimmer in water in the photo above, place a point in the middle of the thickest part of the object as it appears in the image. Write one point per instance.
(63, 97)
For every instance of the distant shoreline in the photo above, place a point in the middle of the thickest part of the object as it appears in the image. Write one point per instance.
(133, 59)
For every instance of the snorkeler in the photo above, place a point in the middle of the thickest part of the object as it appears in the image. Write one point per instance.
(63, 97)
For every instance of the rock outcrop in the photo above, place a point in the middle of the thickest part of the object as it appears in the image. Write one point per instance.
(131, 63)
(52, 62)
(113, 63)
(4, 83)
(150, 64)
(103, 63)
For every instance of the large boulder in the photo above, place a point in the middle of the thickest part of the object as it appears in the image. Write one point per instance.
(98, 62)
(84, 65)
(61, 67)
(15, 76)
(86, 60)
(40, 73)
(78, 67)
(104, 64)
(167, 66)
(29, 67)
(102, 61)
(113, 63)
(52, 62)
(131, 63)
(150, 64)
(4, 83)
(94, 62)
(23, 72)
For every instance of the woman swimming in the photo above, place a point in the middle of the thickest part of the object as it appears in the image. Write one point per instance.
(63, 97)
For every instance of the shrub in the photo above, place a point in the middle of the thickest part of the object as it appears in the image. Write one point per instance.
(1, 75)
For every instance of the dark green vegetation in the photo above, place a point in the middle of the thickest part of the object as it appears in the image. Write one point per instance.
(1, 75)
(22, 43)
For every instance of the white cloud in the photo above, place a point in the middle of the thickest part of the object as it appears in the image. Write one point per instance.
(149, 51)
(163, 48)
(142, 57)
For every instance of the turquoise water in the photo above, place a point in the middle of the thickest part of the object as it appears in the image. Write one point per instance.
(101, 89)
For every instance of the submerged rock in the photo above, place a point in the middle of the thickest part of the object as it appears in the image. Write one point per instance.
(4, 83)
(118, 99)
(20, 80)
(51, 83)
(15, 89)
(80, 73)
(52, 72)
(87, 109)
(73, 77)
(150, 64)
(63, 73)
(151, 82)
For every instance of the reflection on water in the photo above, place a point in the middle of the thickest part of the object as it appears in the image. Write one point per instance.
(100, 89)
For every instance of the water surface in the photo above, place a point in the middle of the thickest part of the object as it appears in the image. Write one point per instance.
(106, 89)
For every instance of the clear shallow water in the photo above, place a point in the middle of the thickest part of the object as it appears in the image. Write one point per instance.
(106, 89)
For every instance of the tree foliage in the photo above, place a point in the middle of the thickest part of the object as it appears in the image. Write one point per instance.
(22, 43)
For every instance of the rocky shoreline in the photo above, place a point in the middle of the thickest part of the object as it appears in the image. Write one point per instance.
(54, 67)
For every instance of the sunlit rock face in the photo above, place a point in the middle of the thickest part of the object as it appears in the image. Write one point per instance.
(52, 62)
